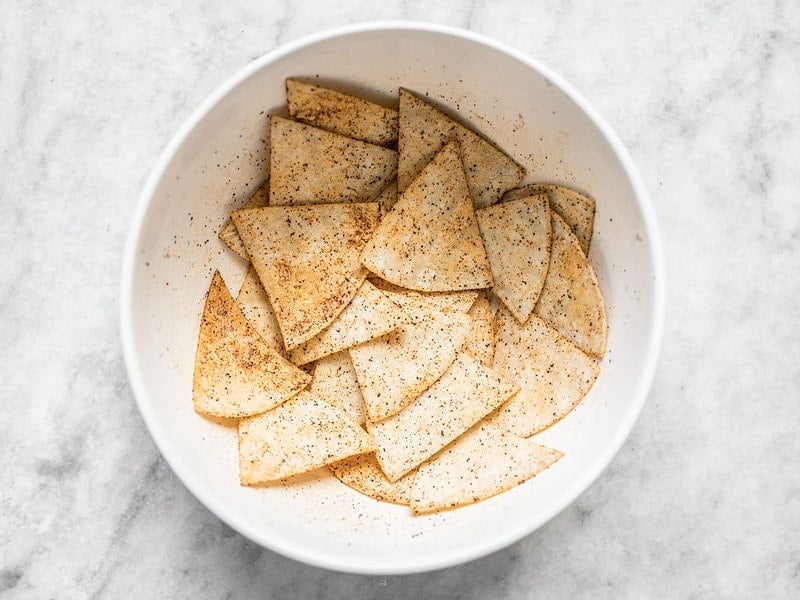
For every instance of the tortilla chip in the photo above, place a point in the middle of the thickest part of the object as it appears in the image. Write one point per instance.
(553, 374)
(335, 382)
(570, 300)
(229, 236)
(307, 258)
(516, 236)
(254, 304)
(575, 208)
(480, 340)
(369, 315)
(482, 463)
(341, 113)
(413, 300)
(309, 165)
(466, 393)
(237, 373)
(424, 130)
(388, 197)
(301, 434)
(430, 241)
(363, 473)
(395, 369)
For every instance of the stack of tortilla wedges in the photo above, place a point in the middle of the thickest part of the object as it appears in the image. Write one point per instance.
(446, 317)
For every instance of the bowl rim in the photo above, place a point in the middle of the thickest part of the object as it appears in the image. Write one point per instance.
(453, 556)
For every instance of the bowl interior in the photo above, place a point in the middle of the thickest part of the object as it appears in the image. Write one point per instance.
(221, 155)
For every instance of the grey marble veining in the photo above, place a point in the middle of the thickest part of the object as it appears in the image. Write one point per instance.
(703, 501)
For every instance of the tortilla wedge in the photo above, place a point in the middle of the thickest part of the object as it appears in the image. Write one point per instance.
(571, 300)
(424, 130)
(395, 369)
(228, 234)
(388, 197)
(309, 165)
(465, 394)
(254, 304)
(335, 382)
(363, 473)
(301, 434)
(480, 340)
(575, 208)
(369, 315)
(237, 373)
(430, 240)
(554, 375)
(341, 113)
(517, 236)
(480, 464)
(413, 300)
(307, 258)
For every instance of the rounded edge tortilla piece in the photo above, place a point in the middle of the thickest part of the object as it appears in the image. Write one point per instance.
(553, 374)
(236, 372)
(307, 258)
(424, 129)
(309, 165)
(571, 301)
(414, 300)
(363, 473)
(517, 236)
(480, 340)
(575, 208)
(464, 395)
(335, 382)
(395, 369)
(302, 434)
(430, 240)
(388, 197)
(370, 314)
(341, 113)
(253, 302)
(482, 463)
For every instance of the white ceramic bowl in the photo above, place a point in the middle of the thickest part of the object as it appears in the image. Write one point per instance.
(219, 155)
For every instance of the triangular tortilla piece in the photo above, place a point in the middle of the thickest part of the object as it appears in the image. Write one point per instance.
(424, 130)
(575, 208)
(465, 394)
(363, 473)
(413, 300)
(430, 241)
(388, 197)
(335, 382)
(341, 113)
(309, 165)
(480, 341)
(307, 258)
(480, 464)
(229, 236)
(254, 304)
(395, 369)
(369, 315)
(237, 373)
(516, 236)
(302, 434)
(571, 300)
(553, 374)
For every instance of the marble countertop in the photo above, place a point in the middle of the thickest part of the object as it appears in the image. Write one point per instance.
(703, 501)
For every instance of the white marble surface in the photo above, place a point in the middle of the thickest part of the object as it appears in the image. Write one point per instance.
(704, 499)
